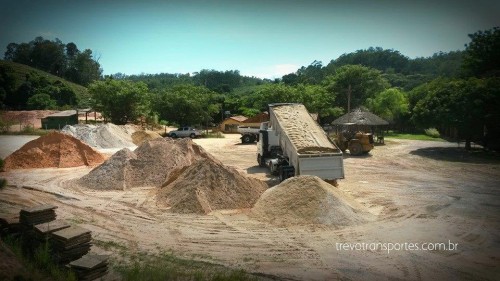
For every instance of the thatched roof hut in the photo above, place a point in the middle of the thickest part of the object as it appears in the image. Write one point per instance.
(360, 117)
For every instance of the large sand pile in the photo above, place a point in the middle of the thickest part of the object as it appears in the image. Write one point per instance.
(139, 137)
(304, 133)
(149, 165)
(102, 136)
(305, 200)
(209, 185)
(53, 150)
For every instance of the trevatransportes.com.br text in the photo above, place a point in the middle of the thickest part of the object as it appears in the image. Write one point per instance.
(397, 246)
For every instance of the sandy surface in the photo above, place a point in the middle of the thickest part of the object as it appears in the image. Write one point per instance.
(418, 192)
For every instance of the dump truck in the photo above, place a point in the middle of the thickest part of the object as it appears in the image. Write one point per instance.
(291, 143)
(248, 134)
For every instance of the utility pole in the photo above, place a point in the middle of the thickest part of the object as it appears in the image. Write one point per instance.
(349, 103)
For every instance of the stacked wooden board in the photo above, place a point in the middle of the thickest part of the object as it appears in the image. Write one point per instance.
(44, 230)
(37, 215)
(90, 267)
(70, 244)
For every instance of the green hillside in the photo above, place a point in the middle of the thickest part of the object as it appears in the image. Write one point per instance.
(21, 70)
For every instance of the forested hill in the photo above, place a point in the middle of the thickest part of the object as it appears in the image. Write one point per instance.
(397, 68)
(21, 82)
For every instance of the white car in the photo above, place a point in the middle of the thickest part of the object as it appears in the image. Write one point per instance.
(185, 132)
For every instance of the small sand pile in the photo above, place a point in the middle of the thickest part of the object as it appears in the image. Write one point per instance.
(149, 165)
(305, 200)
(53, 150)
(102, 136)
(139, 137)
(209, 185)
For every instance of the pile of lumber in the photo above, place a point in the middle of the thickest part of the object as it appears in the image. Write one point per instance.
(37, 215)
(90, 267)
(70, 244)
(44, 230)
(10, 225)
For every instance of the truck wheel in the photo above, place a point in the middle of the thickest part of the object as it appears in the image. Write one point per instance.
(355, 148)
(260, 160)
(192, 136)
(173, 136)
(246, 139)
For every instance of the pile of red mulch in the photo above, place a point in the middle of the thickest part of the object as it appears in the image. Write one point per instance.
(53, 150)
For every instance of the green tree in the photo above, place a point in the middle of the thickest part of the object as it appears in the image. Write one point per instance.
(467, 105)
(119, 101)
(83, 69)
(361, 82)
(41, 101)
(482, 55)
(7, 84)
(390, 104)
(187, 105)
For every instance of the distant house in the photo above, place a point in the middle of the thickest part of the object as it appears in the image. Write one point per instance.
(256, 120)
(58, 120)
(230, 124)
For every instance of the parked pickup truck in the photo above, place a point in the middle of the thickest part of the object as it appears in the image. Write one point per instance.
(248, 134)
(184, 132)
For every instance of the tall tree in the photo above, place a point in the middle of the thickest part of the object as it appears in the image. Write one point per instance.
(119, 101)
(482, 55)
(356, 83)
(390, 104)
(187, 105)
(467, 105)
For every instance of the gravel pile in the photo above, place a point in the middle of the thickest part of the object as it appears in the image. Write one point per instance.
(101, 136)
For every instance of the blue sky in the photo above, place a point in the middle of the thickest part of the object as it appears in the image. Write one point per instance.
(266, 39)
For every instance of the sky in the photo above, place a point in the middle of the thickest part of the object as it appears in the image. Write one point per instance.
(266, 39)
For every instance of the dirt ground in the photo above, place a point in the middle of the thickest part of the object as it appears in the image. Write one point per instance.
(420, 192)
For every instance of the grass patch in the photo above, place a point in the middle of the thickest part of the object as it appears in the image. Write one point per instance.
(166, 266)
(38, 264)
(107, 245)
(422, 137)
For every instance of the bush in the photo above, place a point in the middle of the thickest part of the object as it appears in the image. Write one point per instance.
(3, 183)
(432, 132)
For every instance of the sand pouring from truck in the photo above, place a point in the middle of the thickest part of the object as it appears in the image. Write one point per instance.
(291, 143)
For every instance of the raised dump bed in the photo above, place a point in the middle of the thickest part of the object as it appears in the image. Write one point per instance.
(294, 144)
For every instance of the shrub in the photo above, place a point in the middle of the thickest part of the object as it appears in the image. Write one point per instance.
(432, 132)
